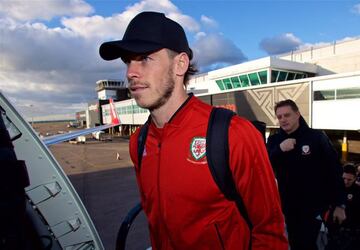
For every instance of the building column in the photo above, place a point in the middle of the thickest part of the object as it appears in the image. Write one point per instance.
(344, 148)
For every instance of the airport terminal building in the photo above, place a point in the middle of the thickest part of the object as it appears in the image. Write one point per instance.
(324, 82)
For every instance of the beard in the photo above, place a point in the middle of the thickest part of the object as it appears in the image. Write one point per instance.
(164, 93)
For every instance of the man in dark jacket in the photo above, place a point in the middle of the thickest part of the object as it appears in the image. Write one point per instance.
(347, 236)
(309, 176)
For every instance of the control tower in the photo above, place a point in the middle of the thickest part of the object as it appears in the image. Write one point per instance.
(115, 89)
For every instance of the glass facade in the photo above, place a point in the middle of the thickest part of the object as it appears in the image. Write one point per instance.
(321, 95)
(282, 75)
(244, 80)
(258, 78)
(127, 110)
(336, 94)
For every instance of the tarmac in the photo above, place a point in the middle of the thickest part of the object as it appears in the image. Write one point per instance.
(103, 175)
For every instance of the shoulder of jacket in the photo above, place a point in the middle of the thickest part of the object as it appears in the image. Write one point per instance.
(134, 138)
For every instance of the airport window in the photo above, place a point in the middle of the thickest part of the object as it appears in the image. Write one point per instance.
(350, 93)
(263, 76)
(244, 80)
(254, 79)
(236, 82)
(129, 110)
(220, 84)
(282, 76)
(299, 76)
(290, 76)
(274, 75)
(323, 95)
(227, 83)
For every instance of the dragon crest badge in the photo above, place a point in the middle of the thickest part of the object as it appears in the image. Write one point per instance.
(198, 147)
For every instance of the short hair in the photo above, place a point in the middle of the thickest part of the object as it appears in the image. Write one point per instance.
(192, 70)
(349, 168)
(287, 102)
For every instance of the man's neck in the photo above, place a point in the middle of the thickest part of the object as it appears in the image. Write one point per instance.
(164, 113)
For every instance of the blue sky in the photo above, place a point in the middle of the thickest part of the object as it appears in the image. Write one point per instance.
(49, 59)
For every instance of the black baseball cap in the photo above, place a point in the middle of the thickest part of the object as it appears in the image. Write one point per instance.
(147, 32)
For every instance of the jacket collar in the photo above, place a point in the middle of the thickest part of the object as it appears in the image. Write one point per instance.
(182, 107)
(181, 113)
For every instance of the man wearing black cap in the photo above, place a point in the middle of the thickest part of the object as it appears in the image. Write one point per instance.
(184, 206)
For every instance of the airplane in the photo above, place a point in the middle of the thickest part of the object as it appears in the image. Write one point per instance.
(49, 140)
(55, 210)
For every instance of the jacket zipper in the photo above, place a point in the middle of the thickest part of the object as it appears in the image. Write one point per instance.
(219, 236)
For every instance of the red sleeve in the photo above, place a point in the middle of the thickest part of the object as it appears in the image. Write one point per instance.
(133, 147)
(256, 184)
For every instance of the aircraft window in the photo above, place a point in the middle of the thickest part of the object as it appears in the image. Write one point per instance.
(14, 132)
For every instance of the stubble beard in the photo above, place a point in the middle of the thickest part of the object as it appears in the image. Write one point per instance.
(165, 93)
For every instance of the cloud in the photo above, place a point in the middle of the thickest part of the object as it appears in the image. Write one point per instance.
(356, 9)
(42, 9)
(212, 51)
(55, 67)
(50, 67)
(208, 22)
(280, 44)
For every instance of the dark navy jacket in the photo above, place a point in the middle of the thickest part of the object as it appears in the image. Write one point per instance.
(310, 175)
(352, 210)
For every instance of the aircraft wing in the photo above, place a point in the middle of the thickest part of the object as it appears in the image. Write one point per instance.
(54, 139)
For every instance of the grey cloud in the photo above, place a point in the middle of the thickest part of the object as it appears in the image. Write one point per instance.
(24, 10)
(213, 51)
(36, 47)
(56, 69)
(280, 44)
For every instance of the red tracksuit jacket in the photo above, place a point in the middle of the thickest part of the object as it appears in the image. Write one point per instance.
(184, 207)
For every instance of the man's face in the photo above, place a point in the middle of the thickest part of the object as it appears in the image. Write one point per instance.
(151, 78)
(349, 179)
(288, 119)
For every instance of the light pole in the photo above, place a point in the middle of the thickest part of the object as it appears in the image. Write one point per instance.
(32, 114)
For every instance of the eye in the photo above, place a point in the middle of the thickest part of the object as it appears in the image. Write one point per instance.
(145, 58)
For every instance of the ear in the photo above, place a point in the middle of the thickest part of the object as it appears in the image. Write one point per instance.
(181, 64)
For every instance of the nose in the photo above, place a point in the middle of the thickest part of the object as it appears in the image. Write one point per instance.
(133, 70)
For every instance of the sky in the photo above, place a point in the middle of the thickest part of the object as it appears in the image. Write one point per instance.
(49, 60)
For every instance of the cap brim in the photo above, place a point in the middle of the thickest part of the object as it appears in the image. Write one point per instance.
(116, 49)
